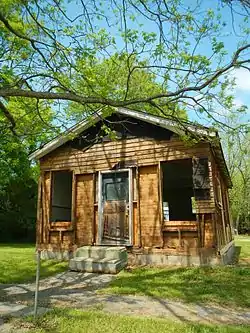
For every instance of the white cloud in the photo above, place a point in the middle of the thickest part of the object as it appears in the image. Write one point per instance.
(238, 102)
(242, 79)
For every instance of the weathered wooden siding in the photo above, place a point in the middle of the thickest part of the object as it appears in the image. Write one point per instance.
(209, 240)
(136, 225)
(151, 224)
(46, 205)
(187, 241)
(85, 209)
(104, 156)
(147, 208)
(188, 235)
(223, 230)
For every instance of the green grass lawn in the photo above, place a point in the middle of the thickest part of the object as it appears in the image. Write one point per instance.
(77, 321)
(244, 243)
(221, 285)
(18, 265)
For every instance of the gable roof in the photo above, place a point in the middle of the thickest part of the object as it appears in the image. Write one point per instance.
(178, 128)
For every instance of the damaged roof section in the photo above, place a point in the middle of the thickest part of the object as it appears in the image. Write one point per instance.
(182, 128)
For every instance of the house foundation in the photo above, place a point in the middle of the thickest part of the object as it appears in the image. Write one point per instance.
(144, 257)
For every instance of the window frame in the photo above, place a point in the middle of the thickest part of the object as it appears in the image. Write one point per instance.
(62, 223)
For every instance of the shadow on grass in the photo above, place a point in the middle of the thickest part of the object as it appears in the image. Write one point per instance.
(237, 255)
(17, 245)
(240, 259)
(221, 285)
(79, 290)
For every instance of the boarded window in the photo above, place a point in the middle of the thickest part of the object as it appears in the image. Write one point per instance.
(61, 196)
(201, 183)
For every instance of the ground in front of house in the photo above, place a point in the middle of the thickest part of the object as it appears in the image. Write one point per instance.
(18, 265)
(95, 321)
(185, 299)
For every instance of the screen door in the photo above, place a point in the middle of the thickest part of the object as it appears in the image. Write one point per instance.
(115, 217)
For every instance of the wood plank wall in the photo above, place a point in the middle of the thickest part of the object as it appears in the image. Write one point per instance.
(46, 205)
(223, 223)
(84, 209)
(150, 208)
(147, 154)
(104, 156)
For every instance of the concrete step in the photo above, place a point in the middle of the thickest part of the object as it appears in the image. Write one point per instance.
(101, 252)
(95, 265)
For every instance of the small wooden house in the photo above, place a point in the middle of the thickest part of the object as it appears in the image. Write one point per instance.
(133, 179)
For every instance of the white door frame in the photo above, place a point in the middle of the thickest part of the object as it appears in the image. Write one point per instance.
(100, 204)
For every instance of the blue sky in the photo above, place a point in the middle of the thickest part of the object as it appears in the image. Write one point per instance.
(228, 36)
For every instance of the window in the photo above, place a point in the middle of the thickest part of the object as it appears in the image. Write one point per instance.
(178, 190)
(61, 196)
(115, 186)
(184, 183)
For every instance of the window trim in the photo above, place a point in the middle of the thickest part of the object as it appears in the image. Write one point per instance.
(58, 224)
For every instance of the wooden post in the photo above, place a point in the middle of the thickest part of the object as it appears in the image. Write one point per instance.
(94, 200)
(138, 205)
(215, 235)
(73, 207)
(203, 230)
(161, 215)
(179, 234)
(229, 214)
(198, 230)
(45, 203)
(160, 192)
(222, 212)
(38, 216)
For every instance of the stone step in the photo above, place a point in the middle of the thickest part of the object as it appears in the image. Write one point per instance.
(101, 252)
(95, 265)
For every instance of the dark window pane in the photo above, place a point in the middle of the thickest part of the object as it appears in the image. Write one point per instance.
(202, 194)
(61, 201)
(115, 186)
(116, 191)
(178, 190)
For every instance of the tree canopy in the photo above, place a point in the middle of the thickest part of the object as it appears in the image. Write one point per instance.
(61, 60)
(236, 145)
(180, 46)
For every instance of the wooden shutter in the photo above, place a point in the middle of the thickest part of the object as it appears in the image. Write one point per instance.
(201, 183)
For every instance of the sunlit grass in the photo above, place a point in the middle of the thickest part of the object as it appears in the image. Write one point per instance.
(18, 264)
(220, 285)
(244, 243)
(76, 321)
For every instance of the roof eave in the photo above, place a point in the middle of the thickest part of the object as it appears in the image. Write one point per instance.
(85, 124)
(63, 138)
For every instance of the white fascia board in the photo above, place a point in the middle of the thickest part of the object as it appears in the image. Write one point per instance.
(169, 124)
(165, 123)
